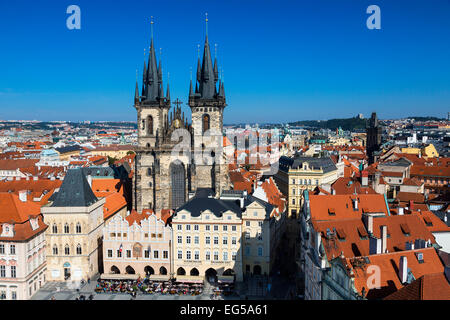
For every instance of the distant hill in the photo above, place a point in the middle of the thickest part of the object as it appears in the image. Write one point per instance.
(333, 124)
(423, 119)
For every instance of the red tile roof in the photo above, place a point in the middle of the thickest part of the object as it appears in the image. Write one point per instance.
(430, 171)
(349, 186)
(113, 203)
(389, 266)
(13, 209)
(343, 205)
(354, 229)
(14, 164)
(428, 287)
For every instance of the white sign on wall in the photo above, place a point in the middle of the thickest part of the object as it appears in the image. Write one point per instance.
(55, 273)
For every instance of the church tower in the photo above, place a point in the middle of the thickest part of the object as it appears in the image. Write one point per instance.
(152, 117)
(207, 103)
(373, 138)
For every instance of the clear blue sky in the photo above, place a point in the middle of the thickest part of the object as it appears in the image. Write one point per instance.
(282, 60)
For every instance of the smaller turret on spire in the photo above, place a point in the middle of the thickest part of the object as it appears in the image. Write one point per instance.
(168, 89)
(136, 92)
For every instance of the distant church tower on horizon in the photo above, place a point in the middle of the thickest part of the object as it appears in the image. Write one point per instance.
(159, 181)
(373, 137)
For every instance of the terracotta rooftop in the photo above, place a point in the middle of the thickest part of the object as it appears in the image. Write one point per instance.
(345, 185)
(113, 203)
(430, 171)
(14, 164)
(428, 287)
(343, 206)
(352, 238)
(389, 265)
(12, 209)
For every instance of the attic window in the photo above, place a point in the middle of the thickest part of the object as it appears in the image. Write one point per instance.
(419, 256)
(331, 211)
(428, 221)
(405, 229)
(362, 233)
(341, 234)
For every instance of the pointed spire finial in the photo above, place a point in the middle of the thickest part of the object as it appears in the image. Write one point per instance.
(215, 50)
(198, 51)
(151, 26)
(190, 73)
(206, 23)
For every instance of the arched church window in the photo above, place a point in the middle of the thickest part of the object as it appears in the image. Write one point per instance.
(205, 122)
(150, 125)
(79, 249)
(78, 227)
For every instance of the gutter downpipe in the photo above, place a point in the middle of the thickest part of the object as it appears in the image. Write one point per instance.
(387, 206)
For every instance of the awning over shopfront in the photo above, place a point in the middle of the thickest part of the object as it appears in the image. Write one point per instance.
(112, 276)
(190, 279)
(225, 279)
(159, 277)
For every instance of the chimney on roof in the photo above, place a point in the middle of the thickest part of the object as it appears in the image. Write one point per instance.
(411, 205)
(23, 195)
(383, 239)
(401, 211)
(374, 245)
(364, 179)
(35, 178)
(355, 204)
(368, 222)
(403, 269)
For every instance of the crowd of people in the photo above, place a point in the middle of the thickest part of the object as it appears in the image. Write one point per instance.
(148, 286)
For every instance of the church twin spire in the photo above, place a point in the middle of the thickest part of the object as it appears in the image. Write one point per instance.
(207, 75)
(205, 85)
(152, 84)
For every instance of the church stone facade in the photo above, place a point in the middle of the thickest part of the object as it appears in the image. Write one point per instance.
(161, 180)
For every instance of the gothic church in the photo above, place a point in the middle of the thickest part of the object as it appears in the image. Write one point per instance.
(161, 182)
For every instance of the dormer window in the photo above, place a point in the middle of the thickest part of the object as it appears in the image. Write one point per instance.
(34, 224)
(7, 230)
